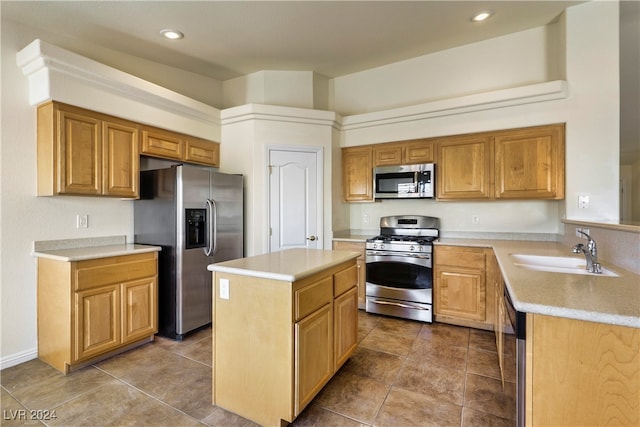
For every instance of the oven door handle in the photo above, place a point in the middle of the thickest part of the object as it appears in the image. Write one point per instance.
(419, 260)
(396, 254)
(397, 304)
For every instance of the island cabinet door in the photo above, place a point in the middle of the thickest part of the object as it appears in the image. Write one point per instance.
(346, 325)
(313, 355)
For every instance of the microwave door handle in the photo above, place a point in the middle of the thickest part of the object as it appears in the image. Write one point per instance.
(212, 237)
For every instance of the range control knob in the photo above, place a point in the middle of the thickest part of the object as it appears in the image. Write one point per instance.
(412, 248)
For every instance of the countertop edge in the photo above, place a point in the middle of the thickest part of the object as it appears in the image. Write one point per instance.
(501, 250)
(95, 252)
(221, 267)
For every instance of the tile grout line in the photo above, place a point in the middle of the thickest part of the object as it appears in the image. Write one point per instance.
(147, 394)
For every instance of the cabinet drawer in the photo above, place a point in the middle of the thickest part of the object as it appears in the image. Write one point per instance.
(94, 273)
(349, 246)
(161, 144)
(312, 297)
(202, 151)
(460, 256)
(345, 280)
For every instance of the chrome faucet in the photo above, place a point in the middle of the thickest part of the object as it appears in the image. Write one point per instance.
(590, 252)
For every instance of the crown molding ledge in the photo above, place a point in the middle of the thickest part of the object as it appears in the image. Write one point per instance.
(521, 95)
(58, 74)
(250, 112)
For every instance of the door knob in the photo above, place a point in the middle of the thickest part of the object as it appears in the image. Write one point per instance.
(312, 238)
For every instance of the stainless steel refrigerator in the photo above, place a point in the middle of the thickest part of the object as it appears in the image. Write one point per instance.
(196, 215)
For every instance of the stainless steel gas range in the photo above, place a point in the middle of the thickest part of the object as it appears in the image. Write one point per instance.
(399, 267)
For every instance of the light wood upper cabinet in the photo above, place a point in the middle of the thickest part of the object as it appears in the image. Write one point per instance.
(201, 151)
(530, 163)
(403, 153)
(357, 174)
(160, 143)
(121, 159)
(387, 154)
(525, 163)
(172, 145)
(418, 151)
(464, 168)
(81, 152)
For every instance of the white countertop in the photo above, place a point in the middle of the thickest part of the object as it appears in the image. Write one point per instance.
(612, 300)
(288, 265)
(83, 254)
(83, 249)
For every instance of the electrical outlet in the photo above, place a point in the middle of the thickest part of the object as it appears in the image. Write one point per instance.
(583, 201)
(584, 230)
(82, 221)
(224, 288)
(475, 219)
(365, 218)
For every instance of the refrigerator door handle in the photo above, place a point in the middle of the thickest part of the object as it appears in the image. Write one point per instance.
(212, 246)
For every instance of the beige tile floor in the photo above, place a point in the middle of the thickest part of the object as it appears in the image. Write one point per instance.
(403, 373)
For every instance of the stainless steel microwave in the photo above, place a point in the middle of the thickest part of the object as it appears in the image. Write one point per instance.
(404, 182)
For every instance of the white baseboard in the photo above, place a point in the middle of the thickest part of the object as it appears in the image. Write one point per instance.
(18, 358)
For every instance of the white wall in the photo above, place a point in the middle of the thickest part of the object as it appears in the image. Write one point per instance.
(514, 60)
(301, 89)
(25, 217)
(247, 132)
(590, 112)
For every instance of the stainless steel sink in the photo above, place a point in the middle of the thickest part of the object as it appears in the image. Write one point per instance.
(556, 264)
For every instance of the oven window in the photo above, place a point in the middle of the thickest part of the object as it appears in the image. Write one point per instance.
(399, 275)
(395, 183)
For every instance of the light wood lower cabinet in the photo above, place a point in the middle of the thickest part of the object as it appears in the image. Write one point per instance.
(342, 245)
(581, 373)
(92, 309)
(277, 343)
(461, 287)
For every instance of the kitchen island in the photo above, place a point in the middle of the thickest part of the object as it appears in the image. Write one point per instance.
(283, 324)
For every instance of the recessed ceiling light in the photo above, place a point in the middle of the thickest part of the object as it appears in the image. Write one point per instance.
(481, 16)
(171, 34)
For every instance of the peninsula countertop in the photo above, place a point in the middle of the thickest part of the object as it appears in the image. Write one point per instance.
(288, 265)
(612, 300)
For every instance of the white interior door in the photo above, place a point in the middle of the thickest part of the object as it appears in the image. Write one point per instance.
(295, 199)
